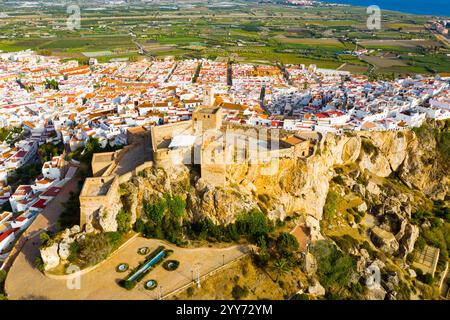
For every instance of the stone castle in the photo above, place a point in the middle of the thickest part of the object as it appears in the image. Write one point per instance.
(205, 142)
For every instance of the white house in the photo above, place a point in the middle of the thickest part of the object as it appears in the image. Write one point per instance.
(23, 221)
(53, 169)
(6, 238)
(43, 184)
(21, 198)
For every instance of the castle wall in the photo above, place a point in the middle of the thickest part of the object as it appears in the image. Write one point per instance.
(162, 135)
(90, 205)
(166, 158)
(101, 161)
(215, 174)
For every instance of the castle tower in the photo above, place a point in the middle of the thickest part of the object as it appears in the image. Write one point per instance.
(204, 119)
(208, 98)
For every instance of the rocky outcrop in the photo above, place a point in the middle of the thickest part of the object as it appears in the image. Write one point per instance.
(296, 186)
(58, 250)
(50, 256)
(409, 239)
(384, 240)
(316, 289)
(107, 218)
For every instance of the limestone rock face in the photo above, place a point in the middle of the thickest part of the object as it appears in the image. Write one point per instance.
(107, 218)
(310, 265)
(409, 239)
(384, 240)
(317, 289)
(50, 256)
(289, 187)
(59, 249)
(377, 293)
(378, 165)
(362, 207)
(423, 168)
(64, 248)
(373, 188)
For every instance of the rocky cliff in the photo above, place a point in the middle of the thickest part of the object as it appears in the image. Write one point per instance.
(300, 186)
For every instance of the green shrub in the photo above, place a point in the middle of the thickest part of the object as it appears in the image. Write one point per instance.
(139, 226)
(330, 207)
(301, 296)
(338, 180)
(346, 242)
(114, 239)
(127, 284)
(123, 219)
(190, 291)
(334, 268)
(45, 238)
(339, 170)
(254, 224)
(369, 148)
(93, 249)
(155, 212)
(2, 277)
(239, 292)
(425, 278)
(177, 206)
(39, 264)
(286, 244)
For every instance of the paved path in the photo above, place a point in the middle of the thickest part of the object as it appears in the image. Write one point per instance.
(27, 247)
(26, 282)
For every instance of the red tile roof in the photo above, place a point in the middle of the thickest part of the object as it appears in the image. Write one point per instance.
(7, 233)
(51, 192)
(39, 204)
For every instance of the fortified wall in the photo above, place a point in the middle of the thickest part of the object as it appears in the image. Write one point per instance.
(99, 194)
(202, 141)
(99, 197)
(217, 147)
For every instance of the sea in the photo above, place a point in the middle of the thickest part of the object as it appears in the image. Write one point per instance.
(428, 7)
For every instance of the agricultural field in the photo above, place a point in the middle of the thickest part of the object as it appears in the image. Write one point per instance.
(240, 31)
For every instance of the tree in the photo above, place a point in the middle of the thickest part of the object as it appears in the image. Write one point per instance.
(286, 244)
(155, 212)
(139, 226)
(123, 219)
(334, 267)
(253, 224)
(92, 146)
(71, 213)
(51, 84)
(177, 206)
(233, 232)
(45, 238)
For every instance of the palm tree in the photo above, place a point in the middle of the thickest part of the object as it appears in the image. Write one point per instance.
(281, 267)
